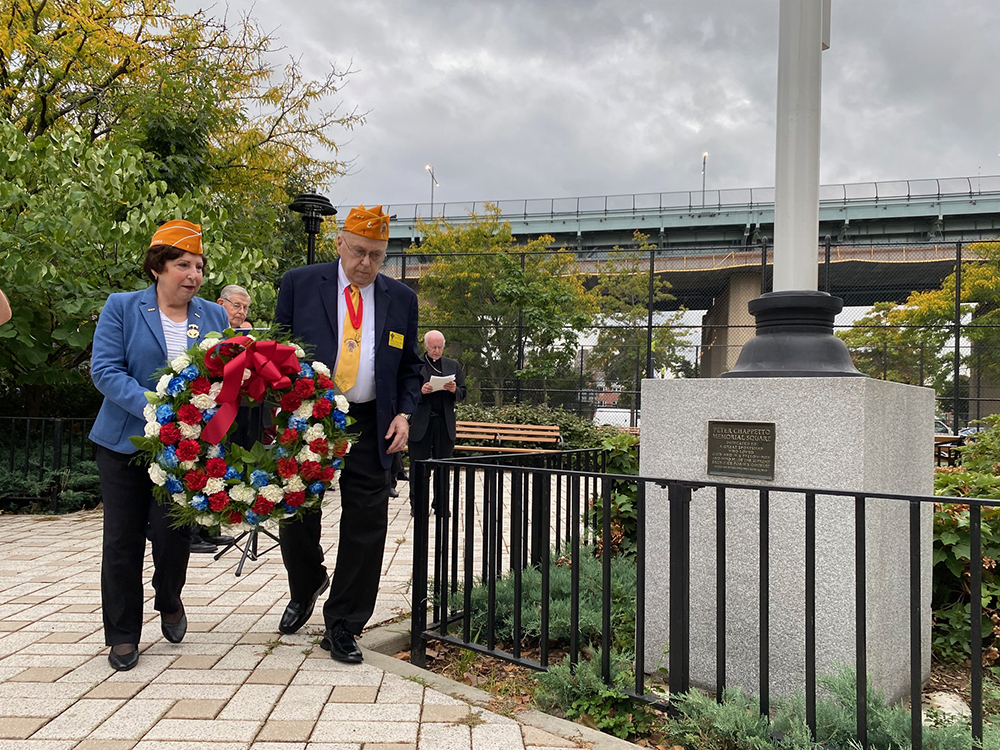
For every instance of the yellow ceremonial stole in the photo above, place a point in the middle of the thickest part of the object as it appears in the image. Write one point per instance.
(350, 348)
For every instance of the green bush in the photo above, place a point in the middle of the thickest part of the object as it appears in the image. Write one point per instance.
(77, 489)
(576, 431)
(622, 452)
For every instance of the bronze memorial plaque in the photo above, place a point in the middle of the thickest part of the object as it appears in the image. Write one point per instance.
(741, 449)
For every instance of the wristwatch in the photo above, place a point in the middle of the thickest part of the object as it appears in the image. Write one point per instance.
(407, 417)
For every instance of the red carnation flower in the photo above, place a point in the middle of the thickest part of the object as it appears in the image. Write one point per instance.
(263, 506)
(305, 387)
(322, 408)
(291, 401)
(319, 446)
(341, 448)
(189, 414)
(170, 433)
(229, 349)
(196, 480)
(188, 450)
(200, 386)
(323, 382)
(234, 518)
(327, 474)
(289, 436)
(310, 470)
(295, 499)
(218, 501)
(216, 367)
(287, 467)
(216, 467)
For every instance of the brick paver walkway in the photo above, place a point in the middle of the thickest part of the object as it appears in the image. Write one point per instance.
(234, 683)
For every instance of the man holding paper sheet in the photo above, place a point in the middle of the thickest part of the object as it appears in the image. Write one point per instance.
(432, 433)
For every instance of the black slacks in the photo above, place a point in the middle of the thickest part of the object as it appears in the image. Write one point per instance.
(129, 510)
(364, 519)
(436, 443)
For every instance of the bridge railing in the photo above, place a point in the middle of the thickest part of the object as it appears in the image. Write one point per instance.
(697, 200)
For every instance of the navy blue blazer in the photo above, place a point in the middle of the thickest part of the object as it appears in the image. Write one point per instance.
(128, 348)
(307, 309)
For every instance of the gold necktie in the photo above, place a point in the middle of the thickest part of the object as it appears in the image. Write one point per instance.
(350, 348)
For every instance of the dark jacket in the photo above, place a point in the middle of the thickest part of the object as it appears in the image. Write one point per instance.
(422, 416)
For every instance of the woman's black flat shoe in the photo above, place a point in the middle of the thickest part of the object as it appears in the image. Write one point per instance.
(174, 631)
(124, 662)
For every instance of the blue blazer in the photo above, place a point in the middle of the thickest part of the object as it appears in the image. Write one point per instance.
(128, 348)
(307, 309)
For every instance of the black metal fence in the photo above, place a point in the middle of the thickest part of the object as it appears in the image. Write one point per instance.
(505, 515)
(689, 319)
(38, 447)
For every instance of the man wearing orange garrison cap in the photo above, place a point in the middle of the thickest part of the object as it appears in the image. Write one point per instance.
(363, 326)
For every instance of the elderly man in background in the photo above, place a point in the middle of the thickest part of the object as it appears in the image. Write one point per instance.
(236, 302)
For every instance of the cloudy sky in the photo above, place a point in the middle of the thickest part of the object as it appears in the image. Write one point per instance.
(512, 99)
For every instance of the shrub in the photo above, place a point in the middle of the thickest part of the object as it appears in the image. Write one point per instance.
(77, 489)
(622, 452)
(576, 431)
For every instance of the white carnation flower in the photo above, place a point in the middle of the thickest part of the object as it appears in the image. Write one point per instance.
(180, 498)
(320, 369)
(315, 432)
(161, 385)
(307, 455)
(158, 475)
(213, 485)
(272, 492)
(207, 344)
(305, 411)
(242, 494)
(215, 451)
(299, 352)
(204, 401)
(215, 389)
(189, 431)
(294, 484)
(206, 519)
(149, 413)
(341, 403)
(187, 465)
(152, 429)
(250, 336)
(180, 362)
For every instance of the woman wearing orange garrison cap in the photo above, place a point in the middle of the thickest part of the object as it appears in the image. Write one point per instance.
(137, 334)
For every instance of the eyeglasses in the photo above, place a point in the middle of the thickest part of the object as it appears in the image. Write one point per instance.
(237, 305)
(375, 258)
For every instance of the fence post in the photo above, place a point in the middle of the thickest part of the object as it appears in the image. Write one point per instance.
(649, 316)
(520, 341)
(418, 597)
(679, 497)
(57, 447)
(958, 334)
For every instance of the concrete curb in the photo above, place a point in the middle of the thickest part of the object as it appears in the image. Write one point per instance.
(382, 641)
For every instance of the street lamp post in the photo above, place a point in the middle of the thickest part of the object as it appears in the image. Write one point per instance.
(704, 163)
(313, 207)
(434, 183)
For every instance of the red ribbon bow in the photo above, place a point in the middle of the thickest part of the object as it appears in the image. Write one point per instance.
(271, 365)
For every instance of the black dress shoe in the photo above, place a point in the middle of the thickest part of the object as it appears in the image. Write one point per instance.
(403, 476)
(296, 614)
(123, 662)
(341, 645)
(199, 545)
(393, 492)
(223, 540)
(174, 631)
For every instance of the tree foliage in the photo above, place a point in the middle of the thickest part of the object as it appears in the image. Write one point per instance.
(482, 290)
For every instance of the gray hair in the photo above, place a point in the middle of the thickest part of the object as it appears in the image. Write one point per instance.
(228, 291)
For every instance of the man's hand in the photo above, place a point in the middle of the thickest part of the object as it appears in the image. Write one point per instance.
(399, 430)
(426, 388)
(450, 386)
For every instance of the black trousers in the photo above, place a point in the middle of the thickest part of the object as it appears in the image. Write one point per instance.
(436, 443)
(129, 510)
(364, 519)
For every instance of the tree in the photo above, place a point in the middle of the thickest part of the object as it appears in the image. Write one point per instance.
(482, 290)
(623, 289)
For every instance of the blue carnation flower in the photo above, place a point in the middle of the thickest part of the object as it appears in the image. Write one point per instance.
(339, 419)
(173, 484)
(217, 451)
(305, 371)
(209, 413)
(288, 508)
(176, 385)
(251, 518)
(329, 396)
(231, 473)
(281, 451)
(189, 373)
(298, 423)
(199, 502)
(316, 488)
(258, 478)
(167, 458)
(164, 414)
(338, 462)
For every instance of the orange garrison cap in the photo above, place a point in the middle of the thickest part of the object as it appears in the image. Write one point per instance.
(372, 223)
(181, 234)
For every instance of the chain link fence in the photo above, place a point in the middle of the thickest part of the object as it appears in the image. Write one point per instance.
(901, 320)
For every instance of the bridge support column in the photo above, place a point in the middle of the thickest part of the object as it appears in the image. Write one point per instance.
(728, 325)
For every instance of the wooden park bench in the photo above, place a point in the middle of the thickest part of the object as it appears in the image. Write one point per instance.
(499, 438)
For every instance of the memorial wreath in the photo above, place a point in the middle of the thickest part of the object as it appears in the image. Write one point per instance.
(210, 481)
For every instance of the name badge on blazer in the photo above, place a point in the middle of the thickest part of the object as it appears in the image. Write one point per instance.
(395, 340)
